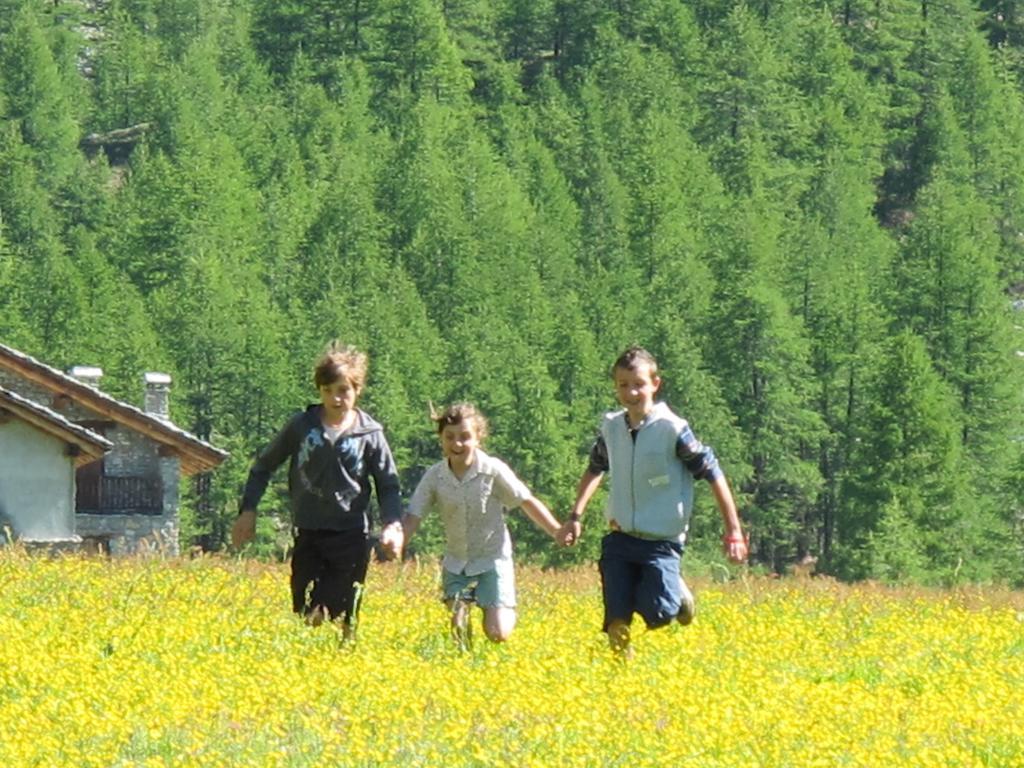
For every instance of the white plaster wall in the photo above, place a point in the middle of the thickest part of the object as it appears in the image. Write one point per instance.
(37, 483)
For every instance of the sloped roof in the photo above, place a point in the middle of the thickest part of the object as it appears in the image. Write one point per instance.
(90, 446)
(194, 454)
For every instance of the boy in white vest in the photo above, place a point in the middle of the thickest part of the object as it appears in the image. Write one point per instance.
(652, 457)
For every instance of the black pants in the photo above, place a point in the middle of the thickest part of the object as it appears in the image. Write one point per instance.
(333, 562)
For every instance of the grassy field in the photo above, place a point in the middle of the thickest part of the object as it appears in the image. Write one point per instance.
(199, 662)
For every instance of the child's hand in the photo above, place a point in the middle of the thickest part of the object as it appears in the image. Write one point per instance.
(391, 540)
(736, 546)
(569, 533)
(244, 528)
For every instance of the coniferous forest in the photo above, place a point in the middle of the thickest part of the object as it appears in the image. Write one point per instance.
(812, 213)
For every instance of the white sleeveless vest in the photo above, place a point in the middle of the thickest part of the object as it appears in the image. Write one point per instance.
(651, 493)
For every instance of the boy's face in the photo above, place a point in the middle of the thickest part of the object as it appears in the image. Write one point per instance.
(459, 443)
(339, 398)
(635, 390)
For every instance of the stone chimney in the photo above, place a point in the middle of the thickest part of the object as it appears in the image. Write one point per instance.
(87, 374)
(157, 395)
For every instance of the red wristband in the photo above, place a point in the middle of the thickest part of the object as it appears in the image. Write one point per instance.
(733, 540)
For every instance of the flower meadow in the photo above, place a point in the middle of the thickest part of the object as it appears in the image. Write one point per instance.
(200, 663)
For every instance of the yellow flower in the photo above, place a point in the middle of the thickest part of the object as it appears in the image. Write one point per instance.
(200, 663)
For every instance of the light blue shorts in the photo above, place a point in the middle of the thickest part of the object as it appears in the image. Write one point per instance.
(496, 587)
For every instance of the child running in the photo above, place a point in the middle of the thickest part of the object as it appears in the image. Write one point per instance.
(652, 457)
(335, 449)
(471, 490)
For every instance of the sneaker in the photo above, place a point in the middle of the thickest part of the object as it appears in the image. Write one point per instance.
(347, 637)
(619, 637)
(316, 616)
(687, 604)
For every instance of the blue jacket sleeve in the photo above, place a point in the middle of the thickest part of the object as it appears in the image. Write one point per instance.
(267, 461)
(698, 458)
(597, 463)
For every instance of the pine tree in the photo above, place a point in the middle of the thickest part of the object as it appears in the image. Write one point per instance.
(115, 331)
(417, 56)
(348, 284)
(837, 253)
(279, 30)
(47, 291)
(990, 115)
(125, 66)
(672, 29)
(948, 290)
(572, 32)
(613, 292)
(837, 274)
(174, 23)
(13, 326)
(553, 242)
(228, 364)
(761, 356)
(29, 218)
(521, 26)
(889, 43)
(903, 478)
(748, 120)
(36, 99)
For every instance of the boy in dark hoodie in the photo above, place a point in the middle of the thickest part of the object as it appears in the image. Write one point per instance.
(334, 450)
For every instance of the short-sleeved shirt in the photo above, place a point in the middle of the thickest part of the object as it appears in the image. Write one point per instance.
(472, 511)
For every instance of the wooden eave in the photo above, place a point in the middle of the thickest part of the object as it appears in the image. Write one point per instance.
(83, 446)
(195, 455)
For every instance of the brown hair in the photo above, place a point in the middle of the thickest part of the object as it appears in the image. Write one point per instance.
(340, 361)
(633, 358)
(458, 412)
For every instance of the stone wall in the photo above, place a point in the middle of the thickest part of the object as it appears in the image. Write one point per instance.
(130, 534)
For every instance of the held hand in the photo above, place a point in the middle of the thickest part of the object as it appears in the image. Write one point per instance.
(736, 546)
(244, 528)
(392, 539)
(563, 536)
(569, 534)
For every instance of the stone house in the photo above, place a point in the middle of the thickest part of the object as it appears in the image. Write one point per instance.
(77, 465)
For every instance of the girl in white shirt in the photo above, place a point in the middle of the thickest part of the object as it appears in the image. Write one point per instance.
(471, 491)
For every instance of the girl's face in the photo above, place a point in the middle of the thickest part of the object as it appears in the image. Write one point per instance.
(636, 389)
(459, 443)
(338, 398)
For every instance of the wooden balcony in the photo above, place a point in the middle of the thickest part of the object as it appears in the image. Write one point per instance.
(119, 496)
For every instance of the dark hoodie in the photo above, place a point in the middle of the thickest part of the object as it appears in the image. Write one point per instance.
(329, 484)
